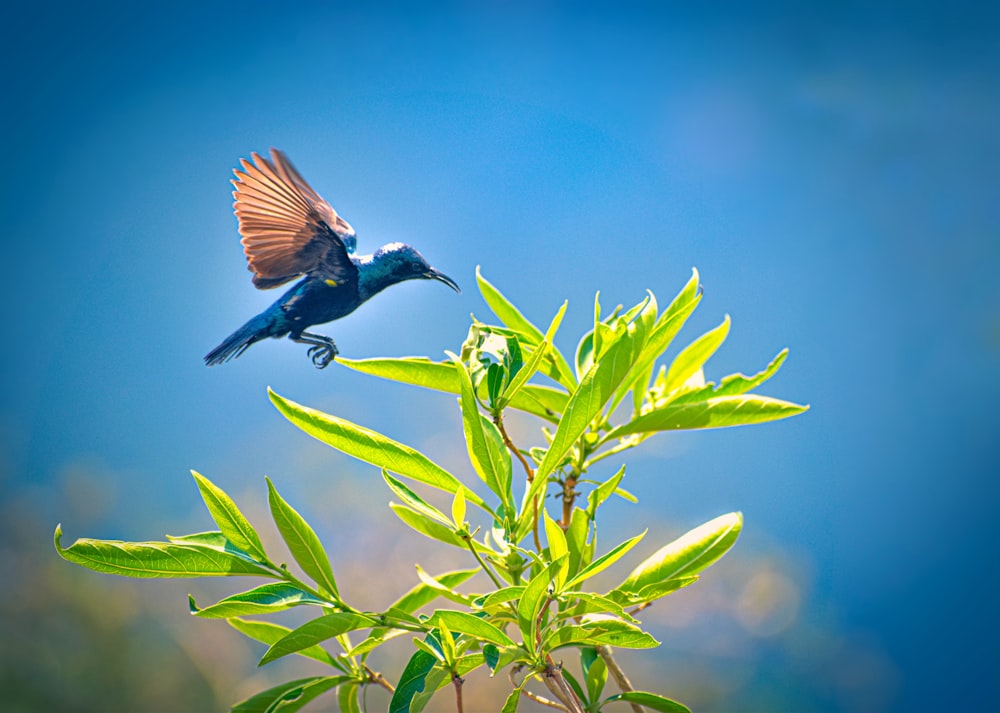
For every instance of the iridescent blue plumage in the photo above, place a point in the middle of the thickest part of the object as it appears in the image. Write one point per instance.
(289, 230)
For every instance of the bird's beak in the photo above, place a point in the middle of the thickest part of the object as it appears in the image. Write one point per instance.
(433, 274)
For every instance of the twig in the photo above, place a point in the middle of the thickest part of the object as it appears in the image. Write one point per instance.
(529, 471)
(376, 677)
(458, 681)
(533, 696)
(624, 685)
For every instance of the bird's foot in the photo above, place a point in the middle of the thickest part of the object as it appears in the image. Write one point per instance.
(323, 354)
(322, 350)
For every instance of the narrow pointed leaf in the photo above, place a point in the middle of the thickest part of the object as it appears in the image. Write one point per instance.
(604, 491)
(414, 501)
(688, 554)
(424, 594)
(606, 560)
(694, 356)
(597, 676)
(536, 359)
(372, 447)
(301, 540)
(715, 412)
(539, 400)
(649, 700)
(512, 317)
(315, 631)
(265, 599)
(442, 590)
(532, 600)
(734, 384)
(463, 623)
(347, 698)
(228, 517)
(289, 696)
(411, 681)
(610, 632)
(652, 592)
(156, 559)
(426, 526)
(576, 540)
(269, 633)
(557, 549)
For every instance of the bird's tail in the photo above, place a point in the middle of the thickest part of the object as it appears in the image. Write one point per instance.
(239, 341)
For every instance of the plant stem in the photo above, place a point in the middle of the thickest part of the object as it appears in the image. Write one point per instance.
(457, 682)
(377, 678)
(529, 471)
(624, 685)
(482, 563)
(533, 696)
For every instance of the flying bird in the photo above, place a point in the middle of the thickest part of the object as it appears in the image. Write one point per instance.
(288, 230)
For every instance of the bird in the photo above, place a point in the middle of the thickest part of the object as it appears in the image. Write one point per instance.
(288, 231)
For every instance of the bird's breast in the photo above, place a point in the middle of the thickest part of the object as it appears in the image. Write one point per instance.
(317, 300)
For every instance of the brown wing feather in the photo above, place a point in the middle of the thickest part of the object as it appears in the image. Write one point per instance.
(287, 228)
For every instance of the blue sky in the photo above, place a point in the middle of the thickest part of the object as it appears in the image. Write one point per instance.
(832, 174)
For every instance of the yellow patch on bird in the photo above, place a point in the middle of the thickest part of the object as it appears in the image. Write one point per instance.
(331, 283)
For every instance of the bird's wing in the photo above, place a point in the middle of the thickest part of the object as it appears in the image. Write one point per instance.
(287, 228)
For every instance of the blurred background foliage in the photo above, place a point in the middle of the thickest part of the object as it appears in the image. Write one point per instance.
(831, 171)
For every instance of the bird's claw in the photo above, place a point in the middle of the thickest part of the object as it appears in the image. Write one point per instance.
(322, 354)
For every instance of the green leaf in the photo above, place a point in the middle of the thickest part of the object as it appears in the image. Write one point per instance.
(411, 681)
(372, 447)
(539, 400)
(595, 390)
(464, 623)
(606, 560)
(424, 594)
(557, 549)
(289, 696)
(590, 603)
(265, 599)
(536, 360)
(491, 655)
(269, 633)
(414, 501)
(597, 675)
(610, 632)
(487, 462)
(576, 540)
(228, 517)
(444, 591)
(694, 356)
(157, 559)
(426, 526)
(458, 509)
(347, 698)
(532, 601)
(688, 554)
(315, 631)
(512, 317)
(649, 700)
(734, 384)
(715, 412)
(302, 541)
(502, 596)
(513, 698)
(604, 491)
(654, 591)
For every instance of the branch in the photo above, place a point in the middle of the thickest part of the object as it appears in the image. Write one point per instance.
(529, 471)
(624, 685)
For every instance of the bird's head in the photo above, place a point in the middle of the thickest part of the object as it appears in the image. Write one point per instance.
(399, 261)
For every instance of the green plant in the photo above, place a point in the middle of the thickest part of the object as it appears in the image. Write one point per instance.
(538, 607)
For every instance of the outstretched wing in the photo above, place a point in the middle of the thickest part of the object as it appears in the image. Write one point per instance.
(287, 228)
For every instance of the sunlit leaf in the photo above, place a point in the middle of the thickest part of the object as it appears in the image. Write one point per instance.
(268, 633)
(301, 540)
(424, 594)
(688, 554)
(694, 356)
(715, 412)
(464, 623)
(411, 681)
(533, 600)
(314, 631)
(426, 526)
(265, 599)
(606, 560)
(236, 528)
(649, 700)
(557, 548)
(371, 447)
(157, 559)
(610, 632)
(289, 696)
